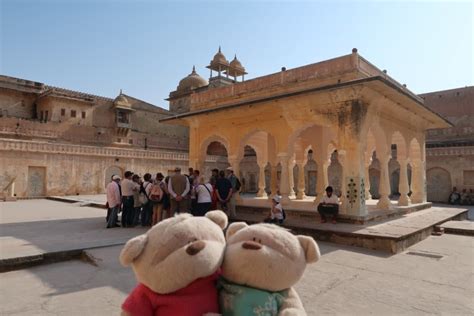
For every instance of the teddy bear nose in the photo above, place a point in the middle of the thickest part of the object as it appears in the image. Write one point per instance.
(195, 247)
(251, 245)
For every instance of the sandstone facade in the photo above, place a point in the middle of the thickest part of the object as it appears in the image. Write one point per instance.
(55, 141)
(343, 109)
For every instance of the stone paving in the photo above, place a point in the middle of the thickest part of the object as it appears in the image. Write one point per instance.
(34, 227)
(435, 276)
(432, 277)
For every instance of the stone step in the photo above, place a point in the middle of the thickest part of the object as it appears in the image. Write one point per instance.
(458, 227)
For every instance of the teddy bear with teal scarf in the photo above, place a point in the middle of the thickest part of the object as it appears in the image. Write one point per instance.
(262, 263)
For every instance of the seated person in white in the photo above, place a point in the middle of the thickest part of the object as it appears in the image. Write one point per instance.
(277, 215)
(329, 206)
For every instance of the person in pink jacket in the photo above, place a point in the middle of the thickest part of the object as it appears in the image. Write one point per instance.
(114, 200)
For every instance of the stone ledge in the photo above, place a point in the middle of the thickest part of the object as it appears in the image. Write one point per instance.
(391, 236)
(458, 227)
(373, 216)
(17, 263)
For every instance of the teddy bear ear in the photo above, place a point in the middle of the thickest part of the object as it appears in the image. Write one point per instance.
(310, 247)
(233, 228)
(218, 217)
(132, 249)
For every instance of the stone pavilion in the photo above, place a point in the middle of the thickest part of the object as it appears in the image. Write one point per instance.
(344, 106)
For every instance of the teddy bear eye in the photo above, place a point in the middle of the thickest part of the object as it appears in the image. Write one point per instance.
(254, 239)
(259, 241)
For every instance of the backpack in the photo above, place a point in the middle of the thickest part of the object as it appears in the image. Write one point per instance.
(156, 193)
(237, 184)
(143, 197)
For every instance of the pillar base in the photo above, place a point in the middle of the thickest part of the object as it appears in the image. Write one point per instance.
(368, 196)
(300, 196)
(384, 203)
(261, 193)
(404, 200)
(417, 199)
(285, 199)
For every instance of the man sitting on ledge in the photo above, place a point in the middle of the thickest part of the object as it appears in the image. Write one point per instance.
(329, 206)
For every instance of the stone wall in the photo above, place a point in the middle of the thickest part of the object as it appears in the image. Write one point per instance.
(45, 169)
(450, 151)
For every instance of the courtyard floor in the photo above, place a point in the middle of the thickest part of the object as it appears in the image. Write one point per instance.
(435, 276)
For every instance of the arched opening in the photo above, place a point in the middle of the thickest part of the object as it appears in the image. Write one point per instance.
(439, 186)
(335, 173)
(374, 175)
(110, 171)
(249, 171)
(216, 158)
(311, 174)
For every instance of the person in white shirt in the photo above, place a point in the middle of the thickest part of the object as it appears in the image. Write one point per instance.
(329, 206)
(127, 200)
(277, 215)
(203, 193)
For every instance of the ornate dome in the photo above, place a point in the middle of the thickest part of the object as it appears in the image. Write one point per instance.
(121, 101)
(235, 63)
(219, 59)
(192, 81)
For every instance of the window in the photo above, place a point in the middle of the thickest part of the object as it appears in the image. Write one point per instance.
(130, 141)
(83, 114)
(119, 140)
(122, 117)
(63, 112)
(46, 114)
(73, 113)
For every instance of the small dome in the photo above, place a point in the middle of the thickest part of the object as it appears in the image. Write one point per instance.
(192, 81)
(235, 63)
(219, 58)
(121, 101)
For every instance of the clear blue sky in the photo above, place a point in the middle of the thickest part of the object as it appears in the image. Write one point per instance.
(146, 47)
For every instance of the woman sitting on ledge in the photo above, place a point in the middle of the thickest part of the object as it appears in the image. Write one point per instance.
(277, 214)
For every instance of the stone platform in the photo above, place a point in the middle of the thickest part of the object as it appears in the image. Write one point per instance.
(392, 236)
(458, 227)
(306, 208)
(390, 231)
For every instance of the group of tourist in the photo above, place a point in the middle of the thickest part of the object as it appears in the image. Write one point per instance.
(461, 198)
(149, 200)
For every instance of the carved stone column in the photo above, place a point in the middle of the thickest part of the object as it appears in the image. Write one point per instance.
(341, 157)
(322, 179)
(384, 183)
(284, 181)
(301, 181)
(273, 180)
(418, 182)
(291, 178)
(404, 187)
(367, 179)
(261, 180)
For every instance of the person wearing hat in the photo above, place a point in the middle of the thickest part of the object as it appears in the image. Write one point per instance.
(178, 188)
(113, 201)
(277, 215)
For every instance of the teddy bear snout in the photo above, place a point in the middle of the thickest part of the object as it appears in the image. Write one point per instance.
(195, 247)
(251, 245)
